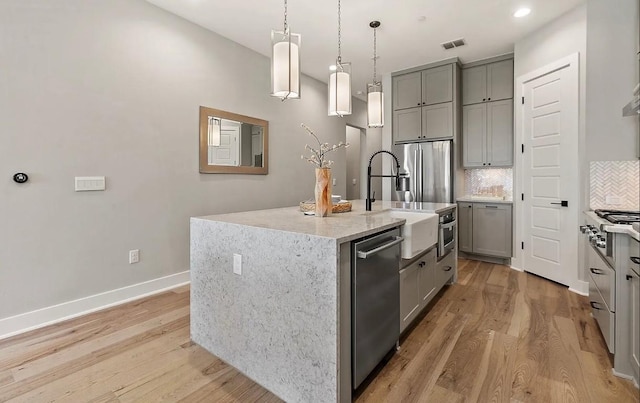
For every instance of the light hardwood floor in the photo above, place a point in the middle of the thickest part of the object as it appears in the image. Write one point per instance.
(496, 336)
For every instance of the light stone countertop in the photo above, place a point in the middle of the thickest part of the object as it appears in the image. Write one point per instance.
(343, 227)
(480, 199)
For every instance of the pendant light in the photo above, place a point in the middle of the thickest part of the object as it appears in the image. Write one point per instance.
(340, 82)
(375, 97)
(285, 62)
(213, 134)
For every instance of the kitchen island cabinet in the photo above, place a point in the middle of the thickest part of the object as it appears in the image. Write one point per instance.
(271, 295)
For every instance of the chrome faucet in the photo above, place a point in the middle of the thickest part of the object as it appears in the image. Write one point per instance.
(402, 179)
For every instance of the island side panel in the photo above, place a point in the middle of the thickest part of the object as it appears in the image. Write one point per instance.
(277, 321)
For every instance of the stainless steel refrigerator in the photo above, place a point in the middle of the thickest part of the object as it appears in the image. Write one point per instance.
(430, 168)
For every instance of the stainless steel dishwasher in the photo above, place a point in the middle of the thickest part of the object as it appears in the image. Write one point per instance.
(375, 301)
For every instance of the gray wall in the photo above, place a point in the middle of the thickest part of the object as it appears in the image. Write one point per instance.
(354, 160)
(612, 73)
(93, 87)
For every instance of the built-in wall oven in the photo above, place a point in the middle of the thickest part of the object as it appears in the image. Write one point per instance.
(446, 233)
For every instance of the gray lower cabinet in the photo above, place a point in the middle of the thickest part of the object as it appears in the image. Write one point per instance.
(465, 227)
(634, 311)
(485, 229)
(418, 285)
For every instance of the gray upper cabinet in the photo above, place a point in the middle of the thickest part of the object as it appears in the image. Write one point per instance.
(407, 124)
(487, 115)
(437, 121)
(407, 91)
(437, 85)
(499, 133)
(489, 82)
(487, 131)
(423, 107)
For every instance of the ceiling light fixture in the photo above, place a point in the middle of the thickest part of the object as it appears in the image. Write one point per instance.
(340, 82)
(285, 62)
(522, 12)
(375, 97)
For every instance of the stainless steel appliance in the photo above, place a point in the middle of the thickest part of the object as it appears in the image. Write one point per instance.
(375, 304)
(601, 264)
(446, 233)
(430, 169)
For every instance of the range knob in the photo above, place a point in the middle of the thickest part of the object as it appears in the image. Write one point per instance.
(601, 243)
(593, 235)
(583, 229)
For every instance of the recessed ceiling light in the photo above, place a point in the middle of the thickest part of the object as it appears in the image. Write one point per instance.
(522, 12)
(332, 67)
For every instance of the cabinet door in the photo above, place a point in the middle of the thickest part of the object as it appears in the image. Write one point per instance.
(500, 80)
(426, 277)
(407, 91)
(437, 121)
(409, 295)
(474, 127)
(437, 85)
(407, 124)
(492, 229)
(474, 85)
(499, 133)
(465, 227)
(634, 322)
(445, 270)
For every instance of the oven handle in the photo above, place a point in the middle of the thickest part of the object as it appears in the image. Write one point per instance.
(596, 271)
(448, 225)
(593, 305)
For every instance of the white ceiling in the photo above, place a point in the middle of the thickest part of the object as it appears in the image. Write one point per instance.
(410, 33)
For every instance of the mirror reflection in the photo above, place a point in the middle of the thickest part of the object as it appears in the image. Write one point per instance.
(232, 143)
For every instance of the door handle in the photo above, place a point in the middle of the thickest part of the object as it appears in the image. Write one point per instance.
(366, 254)
(563, 203)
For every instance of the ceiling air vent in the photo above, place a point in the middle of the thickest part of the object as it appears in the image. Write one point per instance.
(453, 44)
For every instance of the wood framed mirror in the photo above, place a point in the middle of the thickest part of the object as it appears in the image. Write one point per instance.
(232, 143)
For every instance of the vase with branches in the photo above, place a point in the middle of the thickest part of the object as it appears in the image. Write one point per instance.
(318, 157)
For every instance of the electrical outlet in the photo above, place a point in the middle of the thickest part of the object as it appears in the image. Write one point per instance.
(613, 199)
(237, 264)
(335, 181)
(134, 256)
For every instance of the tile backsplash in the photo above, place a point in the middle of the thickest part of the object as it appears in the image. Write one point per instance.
(614, 185)
(489, 182)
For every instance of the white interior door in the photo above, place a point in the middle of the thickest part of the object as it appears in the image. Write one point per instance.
(228, 151)
(549, 128)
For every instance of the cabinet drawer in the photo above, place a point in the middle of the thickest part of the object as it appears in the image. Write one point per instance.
(445, 269)
(604, 277)
(605, 318)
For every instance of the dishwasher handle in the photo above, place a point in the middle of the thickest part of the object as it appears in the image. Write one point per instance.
(365, 254)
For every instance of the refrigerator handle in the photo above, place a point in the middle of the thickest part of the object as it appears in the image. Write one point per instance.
(416, 173)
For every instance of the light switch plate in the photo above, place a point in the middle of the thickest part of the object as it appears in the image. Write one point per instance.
(90, 183)
(237, 264)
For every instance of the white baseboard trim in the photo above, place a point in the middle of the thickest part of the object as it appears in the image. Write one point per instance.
(581, 287)
(516, 268)
(25, 322)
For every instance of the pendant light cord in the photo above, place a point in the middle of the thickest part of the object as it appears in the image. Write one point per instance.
(286, 28)
(375, 55)
(339, 35)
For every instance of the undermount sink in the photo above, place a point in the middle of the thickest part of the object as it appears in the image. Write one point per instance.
(420, 231)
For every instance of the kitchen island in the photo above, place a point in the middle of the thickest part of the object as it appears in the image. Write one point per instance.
(270, 295)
